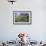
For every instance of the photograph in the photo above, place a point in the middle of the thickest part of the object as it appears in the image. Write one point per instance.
(22, 17)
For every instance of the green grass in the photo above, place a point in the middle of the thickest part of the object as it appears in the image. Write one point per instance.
(22, 19)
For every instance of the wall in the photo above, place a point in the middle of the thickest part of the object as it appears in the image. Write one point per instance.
(9, 31)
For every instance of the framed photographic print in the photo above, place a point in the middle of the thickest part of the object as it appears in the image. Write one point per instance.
(22, 17)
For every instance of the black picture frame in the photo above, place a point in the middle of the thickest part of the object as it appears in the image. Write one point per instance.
(22, 17)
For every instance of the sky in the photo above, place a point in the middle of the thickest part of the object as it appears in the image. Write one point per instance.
(18, 13)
